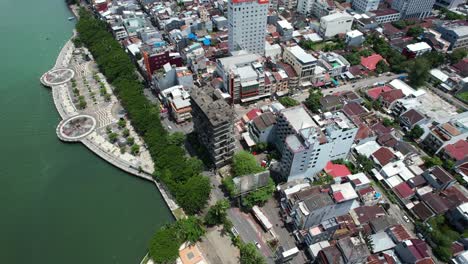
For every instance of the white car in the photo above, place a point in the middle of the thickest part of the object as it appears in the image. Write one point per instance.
(406, 218)
(257, 245)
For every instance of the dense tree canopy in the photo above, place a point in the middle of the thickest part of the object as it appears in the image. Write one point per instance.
(419, 72)
(288, 101)
(416, 132)
(179, 173)
(313, 101)
(250, 255)
(245, 163)
(217, 213)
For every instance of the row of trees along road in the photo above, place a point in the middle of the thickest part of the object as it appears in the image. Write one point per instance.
(182, 175)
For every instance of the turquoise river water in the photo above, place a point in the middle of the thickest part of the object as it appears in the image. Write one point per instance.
(59, 202)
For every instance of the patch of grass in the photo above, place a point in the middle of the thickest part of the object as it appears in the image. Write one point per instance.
(179, 213)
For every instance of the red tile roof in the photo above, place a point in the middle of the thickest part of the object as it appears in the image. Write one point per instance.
(367, 213)
(403, 190)
(380, 129)
(374, 93)
(392, 95)
(458, 150)
(399, 233)
(253, 114)
(336, 170)
(353, 109)
(371, 61)
(383, 156)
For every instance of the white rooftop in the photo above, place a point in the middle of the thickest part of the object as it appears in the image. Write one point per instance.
(241, 59)
(420, 46)
(298, 117)
(285, 24)
(247, 73)
(359, 179)
(301, 55)
(354, 34)
(401, 85)
(441, 76)
(337, 15)
(367, 148)
(346, 189)
(393, 181)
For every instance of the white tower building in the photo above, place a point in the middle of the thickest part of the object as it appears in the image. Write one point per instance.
(247, 20)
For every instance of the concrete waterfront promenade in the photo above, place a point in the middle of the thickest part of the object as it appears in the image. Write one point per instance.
(67, 111)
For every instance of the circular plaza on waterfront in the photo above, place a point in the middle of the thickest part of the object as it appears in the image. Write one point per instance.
(57, 76)
(76, 127)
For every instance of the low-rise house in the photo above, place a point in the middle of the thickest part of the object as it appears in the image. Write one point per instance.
(388, 98)
(398, 233)
(334, 64)
(382, 223)
(322, 232)
(261, 127)
(457, 151)
(411, 118)
(330, 103)
(353, 249)
(330, 255)
(421, 211)
(354, 38)
(371, 61)
(381, 242)
(458, 217)
(374, 93)
(383, 156)
(439, 178)
(364, 214)
(359, 181)
(455, 33)
(412, 251)
(416, 49)
(404, 192)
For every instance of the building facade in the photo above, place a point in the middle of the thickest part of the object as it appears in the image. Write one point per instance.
(334, 24)
(302, 62)
(456, 34)
(247, 20)
(413, 8)
(307, 143)
(243, 77)
(365, 5)
(213, 120)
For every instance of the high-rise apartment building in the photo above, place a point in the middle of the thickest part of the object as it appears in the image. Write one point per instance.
(308, 142)
(213, 120)
(247, 20)
(365, 5)
(413, 8)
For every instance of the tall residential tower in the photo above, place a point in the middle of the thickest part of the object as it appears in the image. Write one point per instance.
(247, 20)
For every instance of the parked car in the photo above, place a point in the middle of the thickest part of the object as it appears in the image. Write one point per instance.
(257, 245)
(406, 218)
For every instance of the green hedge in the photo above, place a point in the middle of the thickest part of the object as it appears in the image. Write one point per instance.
(180, 174)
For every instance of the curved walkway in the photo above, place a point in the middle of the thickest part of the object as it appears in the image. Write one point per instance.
(92, 140)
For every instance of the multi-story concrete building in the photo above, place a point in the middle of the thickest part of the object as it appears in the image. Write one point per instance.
(317, 8)
(416, 49)
(413, 8)
(383, 16)
(177, 100)
(307, 143)
(365, 5)
(334, 63)
(247, 21)
(449, 4)
(285, 29)
(334, 24)
(213, 120)
(455, 33)
(302, 62)
(243, 77)
(446, 131)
